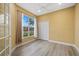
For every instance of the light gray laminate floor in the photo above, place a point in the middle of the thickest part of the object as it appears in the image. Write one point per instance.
(44, 48)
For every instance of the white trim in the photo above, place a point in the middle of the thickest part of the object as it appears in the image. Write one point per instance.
(43, 29)
(21, 45)
(5, 37)
(76, 48)
(12, 50)
(68, 44)
(27, 37)
(28, 25)
(4, 50)
(25, 43)
(35, 27)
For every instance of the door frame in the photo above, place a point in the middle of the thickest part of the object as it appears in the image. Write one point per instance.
(38, 28)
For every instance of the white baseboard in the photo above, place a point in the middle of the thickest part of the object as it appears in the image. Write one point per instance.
(73, 45)
(21, 45)
(76, 48)
(61, 43)
(13, 50)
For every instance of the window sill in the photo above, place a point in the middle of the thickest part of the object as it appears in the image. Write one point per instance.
(27, 37)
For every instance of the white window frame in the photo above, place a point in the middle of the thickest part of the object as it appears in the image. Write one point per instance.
(9, 34)
(28, 29)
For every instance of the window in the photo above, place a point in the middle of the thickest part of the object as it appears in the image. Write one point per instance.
(31, 26)
(27, 26)
(4, 30)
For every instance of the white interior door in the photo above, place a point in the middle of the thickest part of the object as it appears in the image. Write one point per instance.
(43, 30)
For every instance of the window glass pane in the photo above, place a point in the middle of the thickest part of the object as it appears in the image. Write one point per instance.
(31, 26)
(1, 20)
(25, 31)
(31, 21)
(6, 26)
(25, 34)
(31, 33)
(31, 29)
(25, 21)
(25, 24)
(6, 19)
(1, 25)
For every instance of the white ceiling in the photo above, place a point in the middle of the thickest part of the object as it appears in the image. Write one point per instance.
(45, 7)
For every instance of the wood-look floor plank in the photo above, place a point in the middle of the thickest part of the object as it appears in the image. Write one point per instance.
(44, 48)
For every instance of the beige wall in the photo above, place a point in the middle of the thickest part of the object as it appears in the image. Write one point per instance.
(13, 13)
(77, 25)
(61, 25)
(13, 23)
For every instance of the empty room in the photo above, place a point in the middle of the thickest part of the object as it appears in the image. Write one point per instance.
(39, 29)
